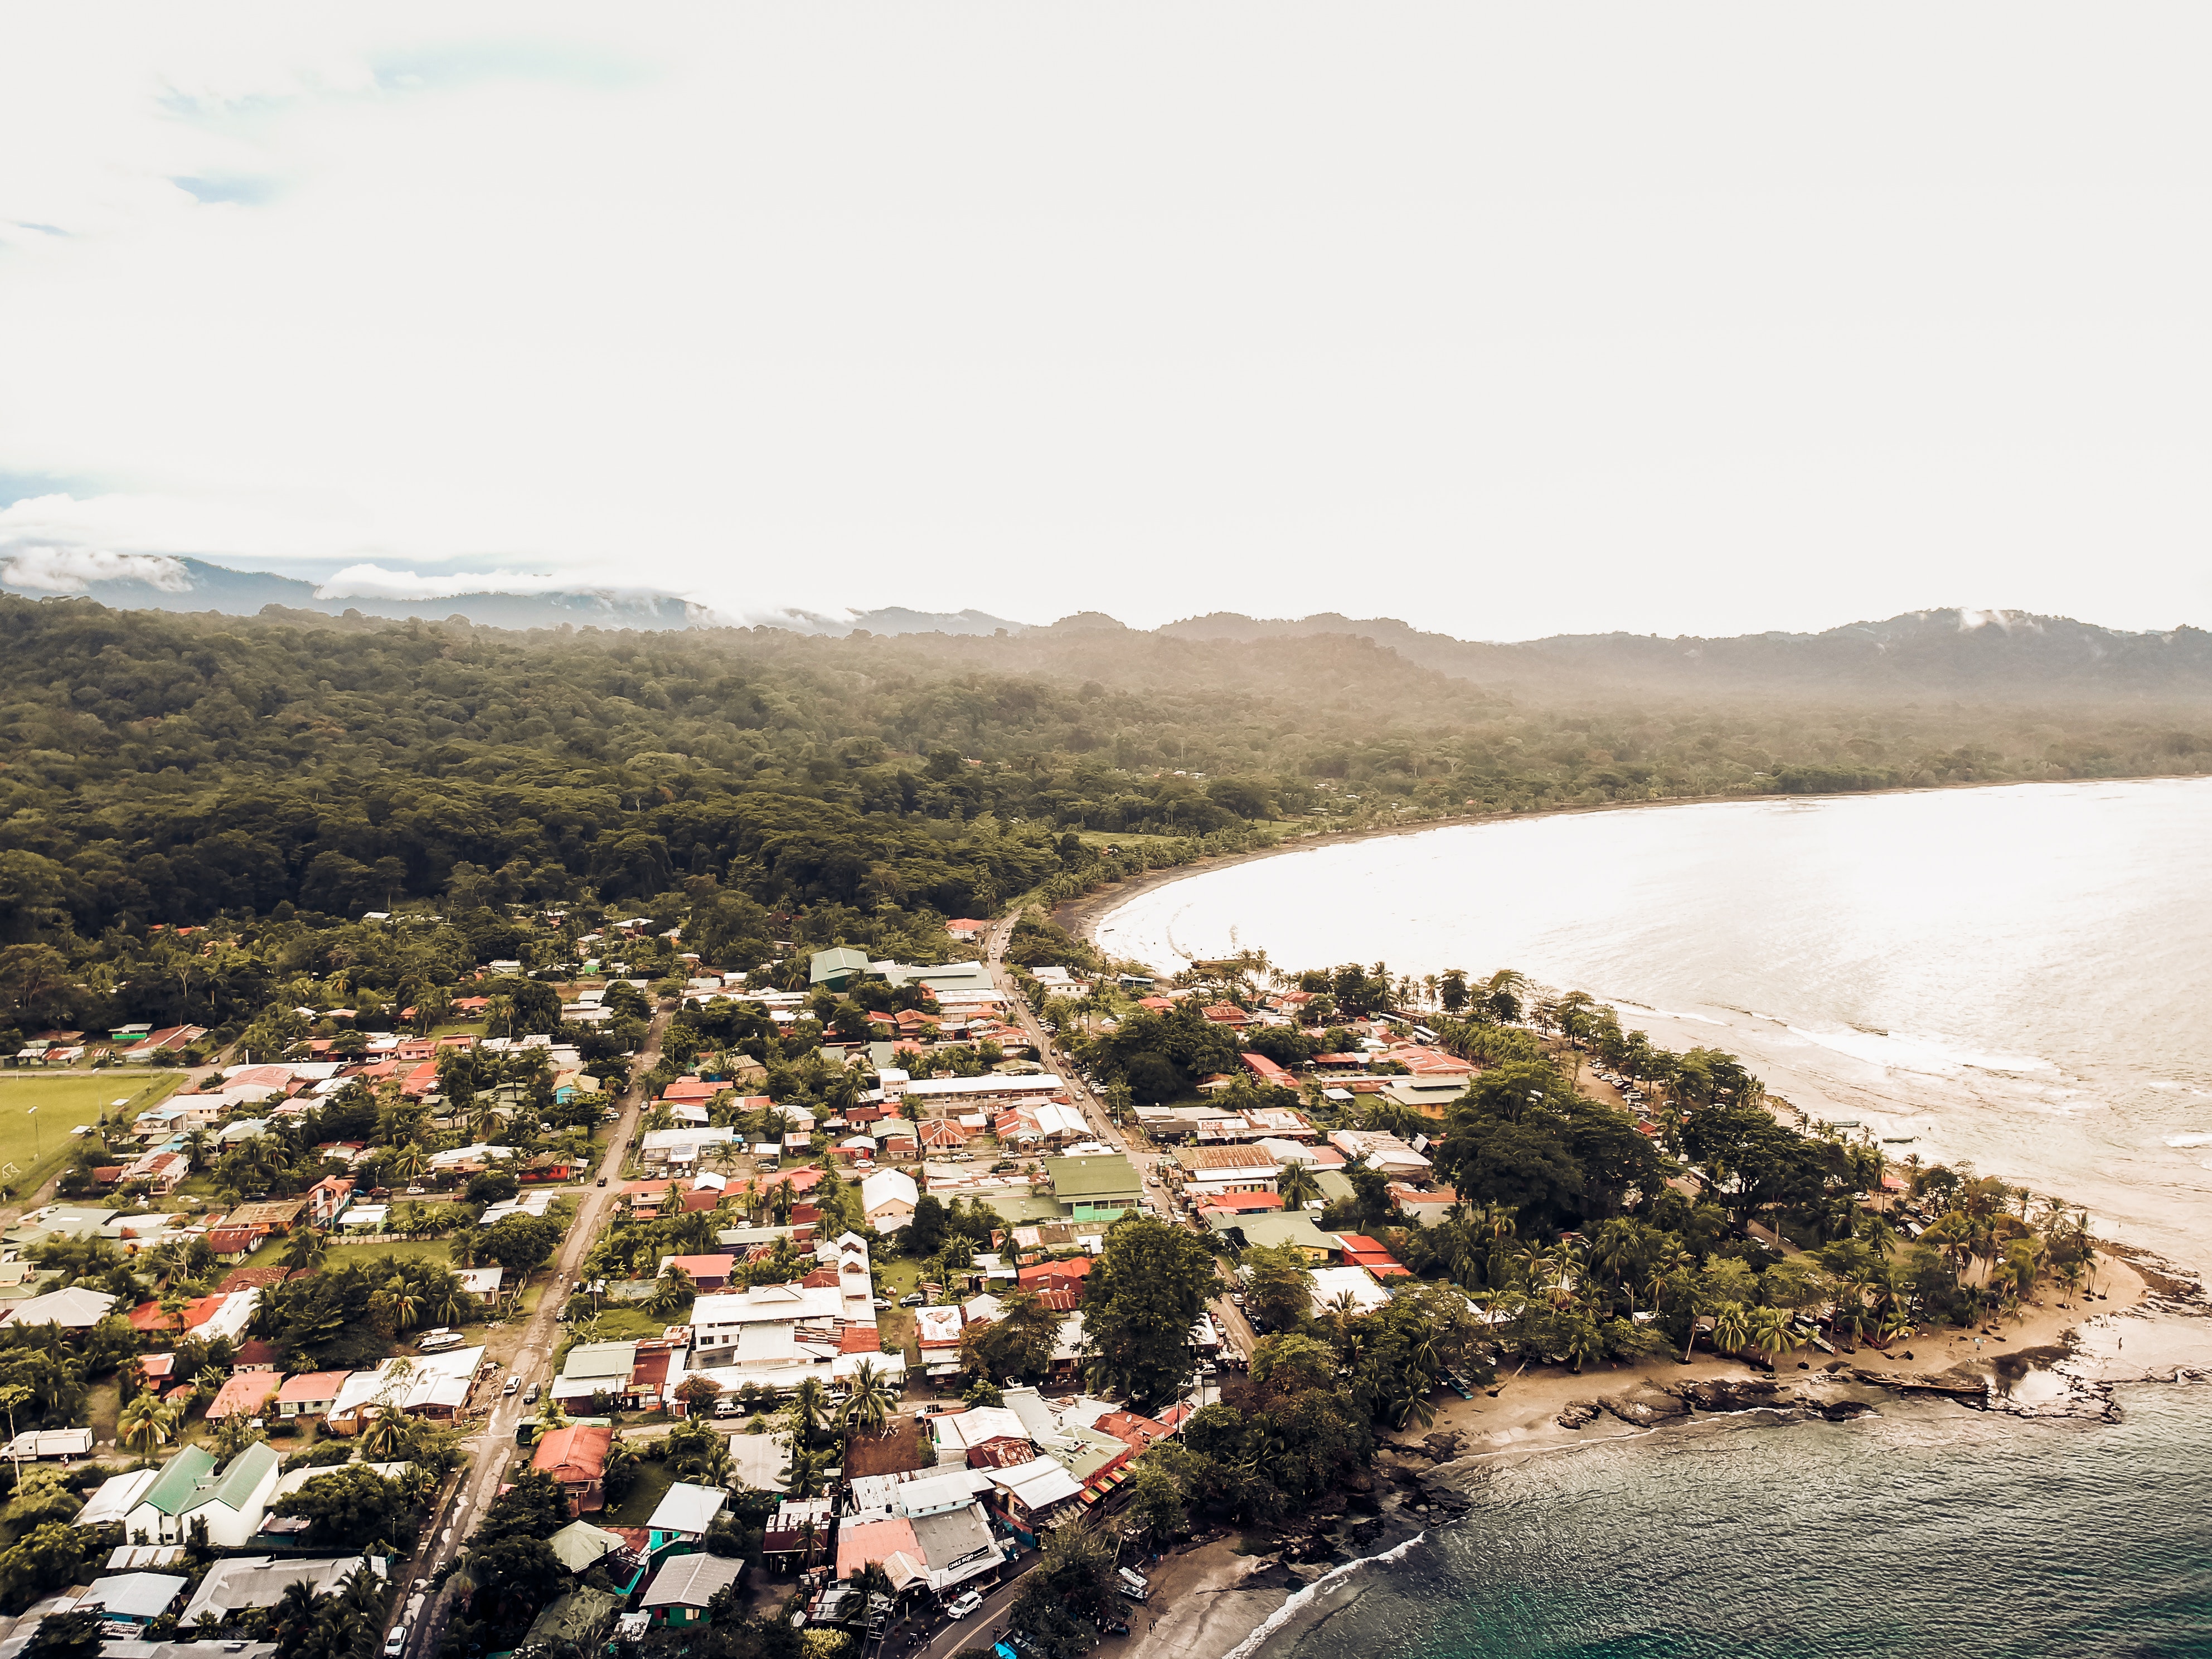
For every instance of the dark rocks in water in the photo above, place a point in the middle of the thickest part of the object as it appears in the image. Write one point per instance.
(1578, 1414)
(1366, 1530)
(1645, 1408)
(1724, 1394)
(1308, 1549)
(1843, 1365)
(1839, 1411)
(1367, 1503)
(1968, 1386)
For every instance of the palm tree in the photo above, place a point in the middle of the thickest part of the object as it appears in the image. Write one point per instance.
(384, 1433)
(1731, 1328)
(307, 1248)
(405, 1302)
(807, 1474)
(869, 1404)
(1772, 1334)
(1298, 1187)
(672, 1291)
(809, 1408)
(409, 1161)
(146, 1423)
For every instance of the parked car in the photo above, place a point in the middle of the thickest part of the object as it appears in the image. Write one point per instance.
(882, 1304)
(912, 1299)
(514, 1385)
(602, 1181)
(530, 1396)
(396, 1643)
(966, 1606)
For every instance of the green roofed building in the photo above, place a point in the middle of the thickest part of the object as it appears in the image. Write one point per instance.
(1094, 1186)
(580, 1621)
(154, 1517)
(836, 968)
(1273, 1229)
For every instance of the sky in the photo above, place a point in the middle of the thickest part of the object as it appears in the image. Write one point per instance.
(1506, 320)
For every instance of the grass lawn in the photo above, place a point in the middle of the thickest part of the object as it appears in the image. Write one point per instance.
(654, 1481)
(433, 1249)
(33, 1148)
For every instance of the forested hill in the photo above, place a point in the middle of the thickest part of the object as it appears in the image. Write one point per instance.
(1948, 653)
(165, 768)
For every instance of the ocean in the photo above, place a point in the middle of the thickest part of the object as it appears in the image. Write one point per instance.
(1926, 1531)
(2015, 977)
(2012, 976)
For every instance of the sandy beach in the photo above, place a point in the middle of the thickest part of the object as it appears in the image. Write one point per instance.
(1212, 1598)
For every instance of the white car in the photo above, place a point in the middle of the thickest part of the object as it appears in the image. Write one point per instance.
(966, 1606)
(396, 1643)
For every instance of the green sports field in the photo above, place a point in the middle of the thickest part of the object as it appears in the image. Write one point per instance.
(38, 1145)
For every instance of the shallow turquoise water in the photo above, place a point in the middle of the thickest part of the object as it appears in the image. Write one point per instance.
(1927, 1531)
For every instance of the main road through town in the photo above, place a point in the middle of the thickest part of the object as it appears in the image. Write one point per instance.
(1230, 1317)
(443, 1535)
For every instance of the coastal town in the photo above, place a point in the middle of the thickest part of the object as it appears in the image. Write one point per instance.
(908, 1304)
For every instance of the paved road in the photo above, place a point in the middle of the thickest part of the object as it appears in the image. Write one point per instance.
(445, 1535)
(1235, 1327)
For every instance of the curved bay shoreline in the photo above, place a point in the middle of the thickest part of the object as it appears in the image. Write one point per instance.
(1225, 1598)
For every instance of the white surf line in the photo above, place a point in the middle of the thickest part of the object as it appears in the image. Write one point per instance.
(1282, 1615)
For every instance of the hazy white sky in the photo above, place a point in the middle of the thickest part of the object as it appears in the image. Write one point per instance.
(1506, 320)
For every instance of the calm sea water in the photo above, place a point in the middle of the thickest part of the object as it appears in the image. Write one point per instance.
(2016, 976)
(1928, 1531)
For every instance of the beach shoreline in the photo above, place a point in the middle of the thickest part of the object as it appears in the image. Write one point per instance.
(1227, 1597)
(1081, 914)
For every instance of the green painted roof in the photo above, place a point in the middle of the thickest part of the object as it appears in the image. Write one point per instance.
(1093, 1176)
(247, 1470)
(180, 1479)
(1335, 1186)
(826, 965)
(1273, 1229)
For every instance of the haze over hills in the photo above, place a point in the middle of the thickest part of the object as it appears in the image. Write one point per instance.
(1938, 652)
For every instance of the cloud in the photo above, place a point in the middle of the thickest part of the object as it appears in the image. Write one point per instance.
(370, 581)
(73, 569)
(1477, 313)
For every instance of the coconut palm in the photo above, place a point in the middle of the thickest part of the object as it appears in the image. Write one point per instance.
(1771, 1333)
(146, 1423)
(385, 1434)
(1298, 1187)
(1731, 1327)
(409, 1161)
(307, 1248)
(673, 1291)
(869, 1404)
(809, 1409)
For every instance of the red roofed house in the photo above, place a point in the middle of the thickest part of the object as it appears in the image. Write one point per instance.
(944, 1132)
(708, 1272)
(576, 1458)
(859, 1339)
(311, 1394)
(232, 1245)
(1226, 1013)
(1243, 1203)
(1360, 1251)
(1133, 1429)
(966, 929)
(1266, 1071)
(244, 1393)
(422, 1080)
(1156, 1005)
(327, 1199)
(1055, 1275)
